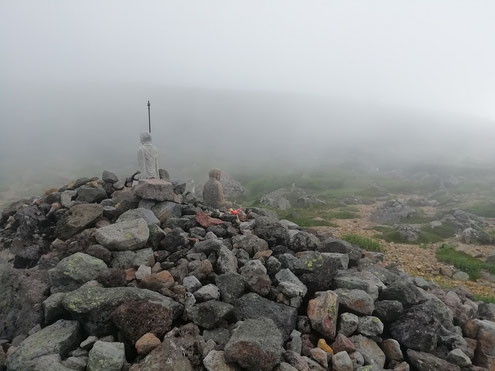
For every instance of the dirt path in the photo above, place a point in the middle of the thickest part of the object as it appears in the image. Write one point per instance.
(415, 260)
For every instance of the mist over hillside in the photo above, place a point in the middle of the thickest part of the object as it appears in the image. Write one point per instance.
(79, 129)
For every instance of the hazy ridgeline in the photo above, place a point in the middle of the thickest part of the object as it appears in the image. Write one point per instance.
(54, 133)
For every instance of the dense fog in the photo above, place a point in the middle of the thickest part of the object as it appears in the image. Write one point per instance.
(244, 86)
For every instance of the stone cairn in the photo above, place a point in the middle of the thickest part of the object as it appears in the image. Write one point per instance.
(97, 276)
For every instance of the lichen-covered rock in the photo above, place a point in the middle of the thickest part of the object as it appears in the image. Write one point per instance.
(75, 270)
(426, 362)
(106, 356)
(255, 344)
(322, 312)
(138, 213)
(370, 350)
(128, 259)
(317, 270)
(76, 219)
(59, 338)
(128, 235)
(94, 305)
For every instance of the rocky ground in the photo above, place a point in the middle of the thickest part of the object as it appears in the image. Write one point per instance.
(95, 276)
(417, 260)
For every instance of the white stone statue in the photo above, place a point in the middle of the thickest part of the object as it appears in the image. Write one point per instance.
(147, 158)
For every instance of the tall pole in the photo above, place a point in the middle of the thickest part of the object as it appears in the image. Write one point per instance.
(149, 117)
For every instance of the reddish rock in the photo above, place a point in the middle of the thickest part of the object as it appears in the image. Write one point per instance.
(263, 254)
(322, 312)
(485, 353)
(343, 343)
(130, 274)
(204, 220)
(158, 281)
(147, 343)
(136, 318)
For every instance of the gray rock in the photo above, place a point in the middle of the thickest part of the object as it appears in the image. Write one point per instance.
(109, 177)
(371, 352)
(231, 286)
(155, 189)
(53, 308)
(388, 310)
(89, 342)
(59, 338)
(89, 195)
(341, 362)
(487, 311)
(370, 326)
(22, 292)
(79, 217)
(167, 209)
(255, 344)
(129, 259)
(93, 305)
(353, 282)
(302, 241)
(427, 362)
(66, 198)
(342, 247)
(138, 213)
(460, 276)
(142, 272)
(207, 292)
(356, 300)
(191, 283)
(253, 306)
(219, 335)
(226, 262)
(215, 361)
(457, 357)
(129, 235)
(106, 356)
(210, 313)
(348, 324)
(404, 291)
(272, 231)
(316, 270)
(290, 285)
(76, 363)
(254, 274)
(250, 243)
(75, 270)
(99, 252)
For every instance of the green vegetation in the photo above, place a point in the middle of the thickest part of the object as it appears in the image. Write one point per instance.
(363, 242)
(486, 209)
(485, 298)
(465, 262)
(311, 217)
(427, 234)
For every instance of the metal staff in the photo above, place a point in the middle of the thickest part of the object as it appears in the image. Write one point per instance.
(149, 117)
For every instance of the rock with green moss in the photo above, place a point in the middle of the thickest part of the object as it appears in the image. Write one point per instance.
(127, 235)
(93, 305)
(59, 339)
(106, 356)
(75, 270)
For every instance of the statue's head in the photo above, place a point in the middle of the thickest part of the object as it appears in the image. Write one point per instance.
(215, 173)
(145, 138)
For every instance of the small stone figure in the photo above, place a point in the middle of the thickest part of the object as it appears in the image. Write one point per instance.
(213, 191)
(147, 158)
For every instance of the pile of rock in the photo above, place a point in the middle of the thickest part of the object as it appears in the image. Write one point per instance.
(149, 279)
(393, 212)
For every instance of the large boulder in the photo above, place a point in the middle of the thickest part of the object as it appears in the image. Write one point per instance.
(155, 189)
(75, 270)
(128, 235)
(93, 305)
(254, 306)
(255, 344)
(370, 350)
(79, 217)
(90, 194)
(167, 209)
(357, 301)
(22, 295)
(342, 247)
(59, 338)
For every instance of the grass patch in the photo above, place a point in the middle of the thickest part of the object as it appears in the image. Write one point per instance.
(485, 209)
(427, 235)
(344, 214)
(463, 261)
(485, 298)
(363, 242)
(311, 217)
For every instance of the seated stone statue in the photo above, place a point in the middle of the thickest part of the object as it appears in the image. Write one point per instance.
(147, 158)
(213, 191)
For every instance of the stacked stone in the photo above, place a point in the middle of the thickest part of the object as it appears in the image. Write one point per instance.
(144, 280)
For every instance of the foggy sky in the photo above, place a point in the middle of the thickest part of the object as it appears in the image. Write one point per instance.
(435, 55)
